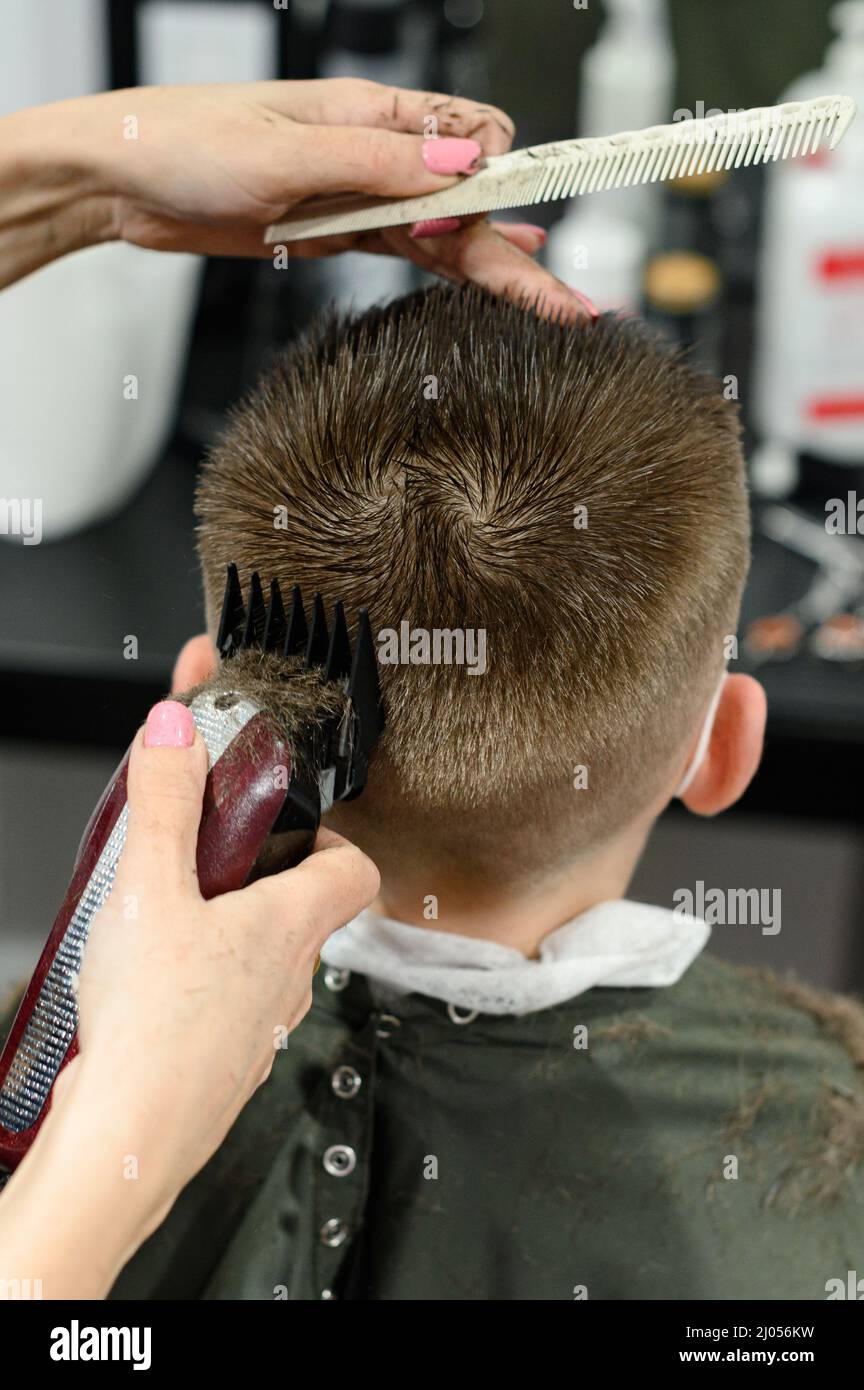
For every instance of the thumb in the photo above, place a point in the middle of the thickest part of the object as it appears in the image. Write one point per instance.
(165, 790)
(325, 890)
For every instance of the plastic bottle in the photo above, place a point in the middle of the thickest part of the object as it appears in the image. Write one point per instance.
(598, 253)
(628, 81)
(809, 373)
(600, 244)
(378, 40)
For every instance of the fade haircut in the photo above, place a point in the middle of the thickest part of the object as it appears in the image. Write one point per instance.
(428, 460)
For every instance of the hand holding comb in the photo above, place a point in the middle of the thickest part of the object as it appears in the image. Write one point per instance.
(731, 140)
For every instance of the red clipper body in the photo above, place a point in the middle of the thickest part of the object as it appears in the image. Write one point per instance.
(253, 822)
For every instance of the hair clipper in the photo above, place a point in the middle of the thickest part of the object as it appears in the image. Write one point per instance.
(270, 777)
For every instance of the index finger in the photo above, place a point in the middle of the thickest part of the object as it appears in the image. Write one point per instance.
(478, 252)
(356, 101)
(335, 882)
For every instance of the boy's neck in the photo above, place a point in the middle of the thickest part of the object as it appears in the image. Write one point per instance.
(516, 916)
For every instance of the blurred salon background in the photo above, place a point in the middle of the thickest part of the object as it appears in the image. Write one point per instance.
(116, 366)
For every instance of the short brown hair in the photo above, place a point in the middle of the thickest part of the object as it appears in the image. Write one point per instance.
(429, 459)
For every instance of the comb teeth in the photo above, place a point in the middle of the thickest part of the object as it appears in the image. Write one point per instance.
(233, 619)
(339, 652)
(275, 625)
(297, 635)
(319, 638)
(565, 168)
(253, 631)
(364, 692)
(269, 629)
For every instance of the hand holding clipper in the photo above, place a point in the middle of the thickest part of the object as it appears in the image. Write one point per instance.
(289, 721)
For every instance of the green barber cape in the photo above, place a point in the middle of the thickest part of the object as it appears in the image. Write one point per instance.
(700, 1141)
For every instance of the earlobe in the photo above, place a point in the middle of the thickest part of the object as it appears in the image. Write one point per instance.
(197, 660)
(734, 751)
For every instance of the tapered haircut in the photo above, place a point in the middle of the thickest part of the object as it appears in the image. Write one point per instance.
(576, 492)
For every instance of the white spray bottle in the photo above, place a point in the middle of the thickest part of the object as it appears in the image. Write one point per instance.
(600, 244)
(809, 376)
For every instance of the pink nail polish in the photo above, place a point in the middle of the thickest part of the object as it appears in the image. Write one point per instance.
(586, 303)
(531, 227)
(435, 226)
(451, 156)
(169, 725)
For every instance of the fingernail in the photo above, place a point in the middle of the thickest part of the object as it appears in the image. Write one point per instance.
(435, 226)
(169, 725)
(531, 227)
(451, 156)
(586, 303)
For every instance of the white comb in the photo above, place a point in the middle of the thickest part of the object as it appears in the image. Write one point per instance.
(561, 170)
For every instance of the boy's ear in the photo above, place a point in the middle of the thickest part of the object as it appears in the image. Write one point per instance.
(734, 750)
(197, 660)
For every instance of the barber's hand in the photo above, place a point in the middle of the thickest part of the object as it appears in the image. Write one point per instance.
(183, 1002)
(210, 166)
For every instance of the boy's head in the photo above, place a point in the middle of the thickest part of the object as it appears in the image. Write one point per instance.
(575, 493)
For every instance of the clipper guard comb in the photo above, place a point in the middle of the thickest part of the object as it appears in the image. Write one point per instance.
(265, 792)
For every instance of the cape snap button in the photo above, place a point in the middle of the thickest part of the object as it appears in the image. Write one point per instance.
(346, 1082)
(387, 1025)
(336, 979)
(460, 1016)
(333, 1233)
(340, 1160)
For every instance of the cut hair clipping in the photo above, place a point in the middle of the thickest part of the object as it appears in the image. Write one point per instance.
(269, 627)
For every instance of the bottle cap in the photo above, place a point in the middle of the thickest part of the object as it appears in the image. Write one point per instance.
(681, 282)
